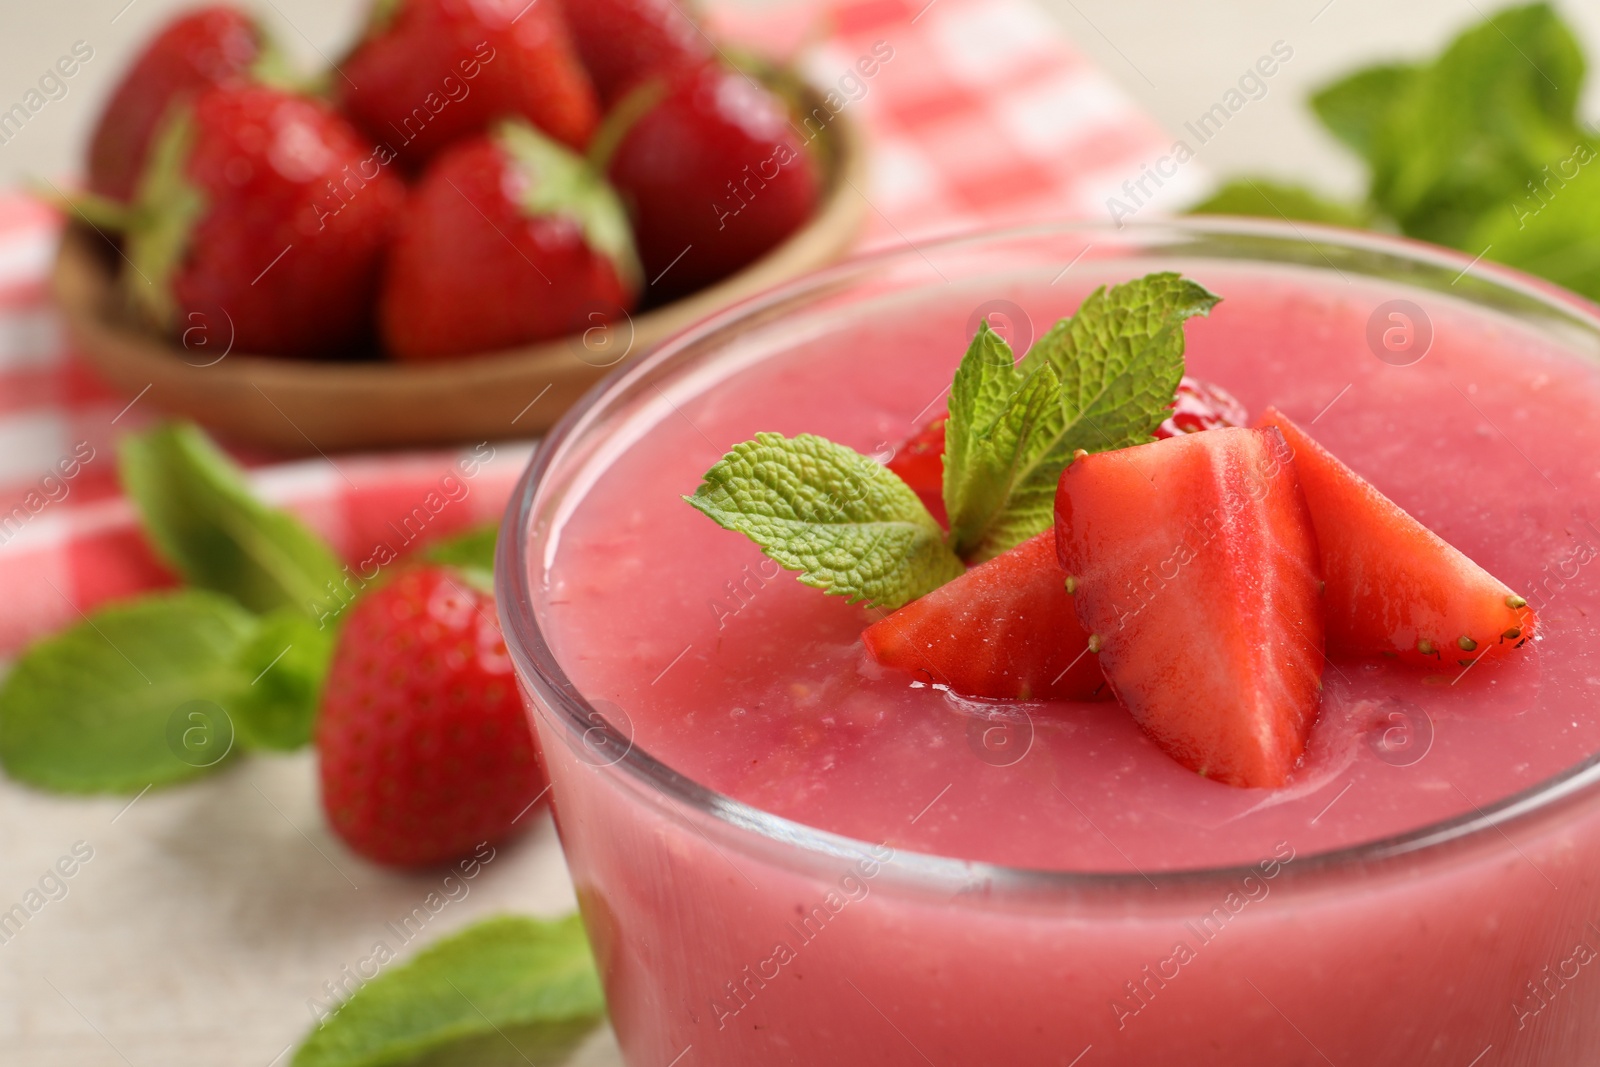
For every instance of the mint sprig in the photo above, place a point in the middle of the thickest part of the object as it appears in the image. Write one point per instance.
(1100, 380)
(1103, 379)
(168, 687)
(849, 526)
(159, 690)
(203, 519)
(1480, 148)
(987, 385)
(505, 990)
(91, 710)
(1469, 129)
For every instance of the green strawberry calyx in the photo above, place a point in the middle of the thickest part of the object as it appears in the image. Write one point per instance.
(166, 208)
(635, 104)
(560, 182)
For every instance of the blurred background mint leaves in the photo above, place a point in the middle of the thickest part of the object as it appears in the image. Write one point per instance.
(1481, 149)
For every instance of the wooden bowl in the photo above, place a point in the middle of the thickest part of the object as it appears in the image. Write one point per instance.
(298, 406)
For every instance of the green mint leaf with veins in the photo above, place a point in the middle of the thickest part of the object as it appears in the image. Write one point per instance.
(203, 519)
(1100, 380)
(105, 707)
(851, 527)
(504, 980)
(1466, 133)
(985, 383)
(281, 669)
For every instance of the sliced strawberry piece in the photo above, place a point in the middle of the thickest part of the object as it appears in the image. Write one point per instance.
(1394, 586)
(1196, 406)
(1194, 564)
(1004, 629)
(920, 464)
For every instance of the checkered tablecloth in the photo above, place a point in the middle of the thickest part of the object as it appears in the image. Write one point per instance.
(982, 114)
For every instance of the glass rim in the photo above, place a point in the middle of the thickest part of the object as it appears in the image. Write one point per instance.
(539, 667)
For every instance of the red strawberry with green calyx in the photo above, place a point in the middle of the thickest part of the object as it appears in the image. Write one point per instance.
(1394, 586)
(1004, 629)
(261, 212)
(424, 748)
(432, 72)
(218, 45)
(508, 239)
(1194, 567)
(714, 177)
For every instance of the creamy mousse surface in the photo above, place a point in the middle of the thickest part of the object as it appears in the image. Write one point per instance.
(734, 674)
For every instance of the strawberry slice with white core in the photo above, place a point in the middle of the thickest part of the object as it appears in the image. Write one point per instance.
(1004, 629)
(1194, 565)
(1394, 586)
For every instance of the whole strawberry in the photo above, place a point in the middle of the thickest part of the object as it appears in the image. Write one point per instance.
(210, 46)
(431, 72)
(424, 746)
(623, 40)
(264, 214)
(509, 238)
(714, 177)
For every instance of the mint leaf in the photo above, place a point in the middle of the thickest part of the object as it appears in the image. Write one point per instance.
(203, 519)
(1354, 107)
(1001, 454)
(517, 987)
(1555, 235)
(282, 666)
(849, 526)
(1481, 149)
(104, 707)
(1101, 380)
(473, 550)
(986, 381)
(1465, 135)
(1273, 200)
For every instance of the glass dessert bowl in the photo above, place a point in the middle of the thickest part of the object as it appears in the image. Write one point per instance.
(786, 854)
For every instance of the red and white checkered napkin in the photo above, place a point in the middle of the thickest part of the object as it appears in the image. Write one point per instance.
(981, 113)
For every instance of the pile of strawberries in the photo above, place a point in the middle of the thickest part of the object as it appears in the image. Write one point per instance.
(472, 175)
